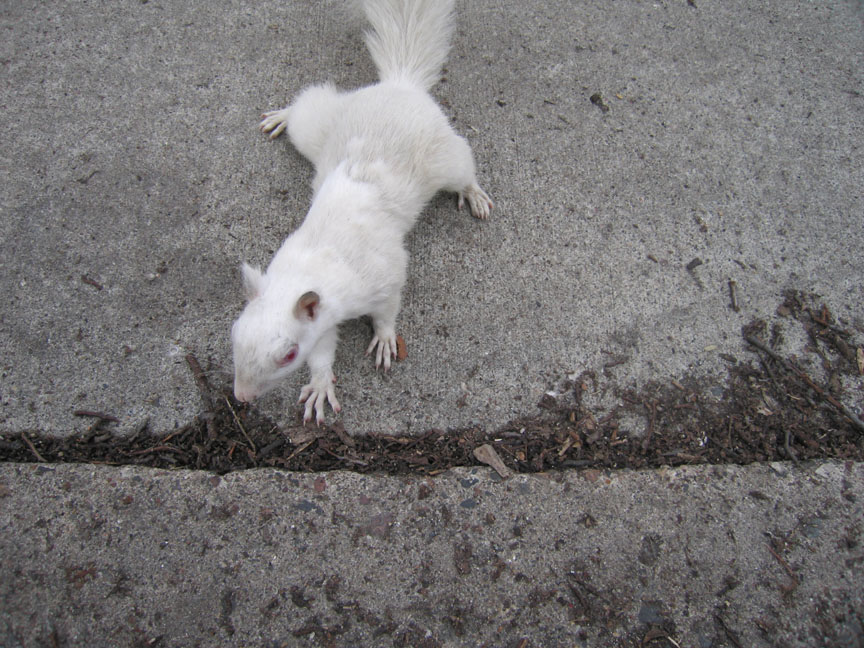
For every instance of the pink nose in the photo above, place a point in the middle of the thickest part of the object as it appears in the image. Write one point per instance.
(244, 395)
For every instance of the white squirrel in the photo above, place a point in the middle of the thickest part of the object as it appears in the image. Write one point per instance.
(380, 154)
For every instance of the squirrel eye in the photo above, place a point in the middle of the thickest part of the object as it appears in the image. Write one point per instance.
(289, 357)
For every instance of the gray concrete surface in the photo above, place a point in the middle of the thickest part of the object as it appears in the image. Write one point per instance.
(133, 181)
(769, 555)
(131, 157)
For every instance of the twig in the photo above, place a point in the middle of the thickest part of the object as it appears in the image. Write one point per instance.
(91, 282)
(733, 295)
(822, 320)
(33, 449)
(616, 361)
(102, 417)
(274, 445)
(586, 608)
(588, 588)
(729, 634)
(171, 435)
(756, 342)
(652, 415)
(200, 378)
(141, 427)
(655, 634)
(784, 564)
(301, 449)
(159, 448)
(358, 462)
(204, 390)
(759, 344)
(344, 437)
(788, 448)
(770, 372)
(690, 267)
(240, 425)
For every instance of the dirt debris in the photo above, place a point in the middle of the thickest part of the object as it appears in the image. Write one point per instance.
(770, 409)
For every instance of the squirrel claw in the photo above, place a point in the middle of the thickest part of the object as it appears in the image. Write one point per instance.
(275, 121)
(385, 350)
(315, 395)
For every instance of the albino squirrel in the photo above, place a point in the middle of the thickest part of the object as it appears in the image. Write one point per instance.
(380, 154)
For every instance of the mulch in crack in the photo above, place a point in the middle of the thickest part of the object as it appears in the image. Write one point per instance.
(769, 409)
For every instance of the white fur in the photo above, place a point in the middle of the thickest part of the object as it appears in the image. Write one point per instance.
(380, 154)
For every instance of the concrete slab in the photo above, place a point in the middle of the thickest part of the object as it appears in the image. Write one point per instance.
(134, 181)
(762, 556)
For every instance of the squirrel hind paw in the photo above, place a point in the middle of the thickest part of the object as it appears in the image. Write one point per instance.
(478, 201)
(274, 122)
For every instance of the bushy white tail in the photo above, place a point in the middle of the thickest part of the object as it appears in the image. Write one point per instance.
(409, 39)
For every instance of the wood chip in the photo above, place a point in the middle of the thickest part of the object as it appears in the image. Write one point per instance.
(733, 296)
(597, 100)
(401, 348)
(300, 435)
(486, 454)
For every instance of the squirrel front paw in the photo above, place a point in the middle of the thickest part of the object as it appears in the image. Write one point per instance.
(384, 345)
(275, 121)
(319, 390)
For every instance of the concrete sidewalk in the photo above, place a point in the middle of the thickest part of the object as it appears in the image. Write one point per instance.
(134, 180)
(623, 143)
(702, 557)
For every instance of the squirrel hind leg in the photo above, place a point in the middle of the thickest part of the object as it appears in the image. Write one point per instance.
(459, 176)
(307, 120)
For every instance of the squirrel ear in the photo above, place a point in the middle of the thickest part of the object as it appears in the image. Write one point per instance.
(252, 280)
(307, 306)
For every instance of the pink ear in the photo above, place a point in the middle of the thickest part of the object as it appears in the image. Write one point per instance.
(307, 306)
(289, 357)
